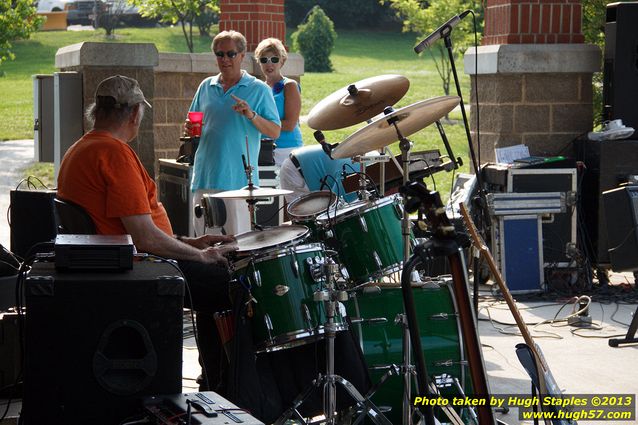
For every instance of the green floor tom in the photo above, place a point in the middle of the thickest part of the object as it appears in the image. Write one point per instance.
(282, 282)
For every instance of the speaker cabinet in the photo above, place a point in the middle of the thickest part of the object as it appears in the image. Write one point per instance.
(620, 72)
(608, 164)
(96, 343)
(32, 219)
(621, 218)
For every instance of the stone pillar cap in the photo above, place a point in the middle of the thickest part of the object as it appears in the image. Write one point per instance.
(107, 54)
(533, 58)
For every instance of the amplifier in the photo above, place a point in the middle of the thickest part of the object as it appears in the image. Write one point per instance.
(94, 252)
(175, 194)
(608, 165)
(32, 219)
(621, 217)
(97, 343)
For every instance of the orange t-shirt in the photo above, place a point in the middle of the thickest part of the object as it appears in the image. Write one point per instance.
(105, 177)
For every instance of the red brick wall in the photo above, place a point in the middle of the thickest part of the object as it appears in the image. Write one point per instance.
(533, 22)
(256, 19)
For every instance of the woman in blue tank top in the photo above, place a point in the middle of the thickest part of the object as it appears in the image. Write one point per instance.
(271, 56)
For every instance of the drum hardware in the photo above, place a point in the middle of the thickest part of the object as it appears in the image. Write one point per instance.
(442, 316)
(251, 193)
(330, 297)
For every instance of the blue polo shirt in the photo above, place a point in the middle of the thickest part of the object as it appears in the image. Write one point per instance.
(218, 163)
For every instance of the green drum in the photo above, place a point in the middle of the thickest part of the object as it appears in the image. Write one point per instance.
(370, 243)
(382, 343)
(305, 209)
(282, 280)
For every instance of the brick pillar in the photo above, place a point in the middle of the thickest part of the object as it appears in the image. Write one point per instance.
(533, 22)
(534, 76)
(256, 19)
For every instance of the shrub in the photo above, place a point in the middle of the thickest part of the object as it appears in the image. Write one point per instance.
(315, 39)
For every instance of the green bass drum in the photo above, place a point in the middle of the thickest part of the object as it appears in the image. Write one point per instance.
(382, 343)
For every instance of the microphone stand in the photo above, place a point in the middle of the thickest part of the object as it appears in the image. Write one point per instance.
(485, 222)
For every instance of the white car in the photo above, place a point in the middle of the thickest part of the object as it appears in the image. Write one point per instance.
(52, 5)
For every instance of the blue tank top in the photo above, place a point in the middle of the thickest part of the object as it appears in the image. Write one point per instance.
(287, 139)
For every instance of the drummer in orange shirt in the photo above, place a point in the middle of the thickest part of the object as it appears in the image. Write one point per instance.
(103, 174)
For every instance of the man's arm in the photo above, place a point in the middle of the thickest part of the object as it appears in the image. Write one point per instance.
(147, 237)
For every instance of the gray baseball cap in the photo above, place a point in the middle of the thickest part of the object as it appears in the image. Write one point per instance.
(126, 91)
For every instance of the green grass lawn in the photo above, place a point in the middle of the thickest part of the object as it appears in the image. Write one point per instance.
(357, 55)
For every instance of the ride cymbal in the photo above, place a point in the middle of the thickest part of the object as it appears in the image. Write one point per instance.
(409, 120)
(358, 102)
(255, 192)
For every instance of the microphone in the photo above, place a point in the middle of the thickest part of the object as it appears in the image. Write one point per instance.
(327, 148)
(441, 31)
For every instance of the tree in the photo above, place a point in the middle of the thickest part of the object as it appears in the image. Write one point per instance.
(186, 12)
(18, 19)
(315, 40)
(423, 17)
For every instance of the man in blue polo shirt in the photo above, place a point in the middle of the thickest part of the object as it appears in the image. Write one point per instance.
(238, 111)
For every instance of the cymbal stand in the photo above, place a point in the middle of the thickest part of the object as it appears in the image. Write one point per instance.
(330, 297)
(408, 300)
(251, 202)
(371, 159)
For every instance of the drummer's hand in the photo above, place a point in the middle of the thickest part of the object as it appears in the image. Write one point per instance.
(242, 107)
(217, 254)
(209, 240)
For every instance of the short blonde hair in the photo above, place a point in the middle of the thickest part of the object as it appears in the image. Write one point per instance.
(273, 45)
(237, 37)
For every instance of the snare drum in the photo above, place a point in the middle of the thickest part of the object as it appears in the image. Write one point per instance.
(305, 209)
(370, 243)
(283, 279)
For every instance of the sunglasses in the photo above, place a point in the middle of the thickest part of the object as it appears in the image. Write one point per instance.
(231, 54)
(272, 59)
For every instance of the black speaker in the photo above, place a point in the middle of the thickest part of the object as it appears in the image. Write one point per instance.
(620, 72)
(32, 219)
(608, 164)
(96, 343)
(621, 218)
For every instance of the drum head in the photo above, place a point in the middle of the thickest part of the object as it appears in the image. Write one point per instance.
(261, 239)
(312, 204)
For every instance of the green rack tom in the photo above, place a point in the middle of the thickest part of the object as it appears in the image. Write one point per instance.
(368, 235)
(382, 343)
(283, 281)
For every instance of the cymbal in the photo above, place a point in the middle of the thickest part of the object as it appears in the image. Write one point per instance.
(255, 192)
(358, 102)
(381, 133)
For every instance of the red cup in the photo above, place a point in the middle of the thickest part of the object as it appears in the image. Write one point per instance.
(196, 119)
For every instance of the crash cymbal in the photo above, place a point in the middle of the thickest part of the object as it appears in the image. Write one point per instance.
(357, 102)
(255, 192)
(381, 133)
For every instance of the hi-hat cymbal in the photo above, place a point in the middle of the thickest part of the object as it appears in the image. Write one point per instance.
(381, 133)
(357, 102)
(255, 192)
